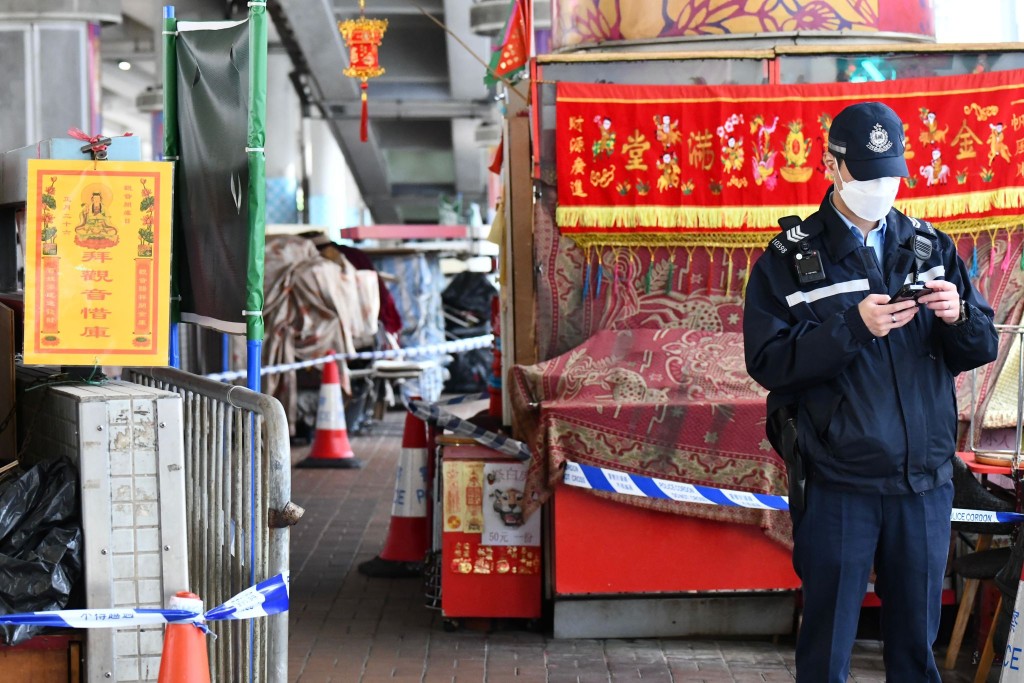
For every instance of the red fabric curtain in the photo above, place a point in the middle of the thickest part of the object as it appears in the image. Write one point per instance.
(718, 165)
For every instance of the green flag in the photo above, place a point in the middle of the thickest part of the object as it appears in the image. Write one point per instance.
(514, 51)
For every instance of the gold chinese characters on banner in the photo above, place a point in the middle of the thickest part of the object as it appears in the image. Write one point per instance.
(97, 263)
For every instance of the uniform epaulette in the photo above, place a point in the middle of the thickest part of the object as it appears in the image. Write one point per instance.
(923, 228)
(794, 231)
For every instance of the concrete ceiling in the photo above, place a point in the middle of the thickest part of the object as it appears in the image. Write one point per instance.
(425, 135)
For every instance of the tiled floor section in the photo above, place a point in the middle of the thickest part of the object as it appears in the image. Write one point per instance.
(349, 629)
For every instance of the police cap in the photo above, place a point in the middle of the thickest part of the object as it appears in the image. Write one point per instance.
(869, 136)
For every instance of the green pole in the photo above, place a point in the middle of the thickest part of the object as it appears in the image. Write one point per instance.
(171, 150)
(257, 171)
(255, 139)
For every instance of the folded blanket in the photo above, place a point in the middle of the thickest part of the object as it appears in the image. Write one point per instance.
(669, 403)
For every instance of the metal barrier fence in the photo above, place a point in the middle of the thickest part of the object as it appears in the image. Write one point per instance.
(1014, 355)
(237, 489)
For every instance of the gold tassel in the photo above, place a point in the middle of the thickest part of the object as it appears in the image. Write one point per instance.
(661, 224)
(650, 269)
(728, 278)
(671, 270)
(586, 272)
(991, 252)
(633, 267)
(749, 252)
(689, 268)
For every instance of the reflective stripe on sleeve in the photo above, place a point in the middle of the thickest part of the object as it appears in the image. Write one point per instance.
(935, 273)
(796, 298)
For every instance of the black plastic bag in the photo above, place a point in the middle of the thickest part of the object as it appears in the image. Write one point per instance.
(40, 542)
(467, 309)
(468, 297)
(469, 371)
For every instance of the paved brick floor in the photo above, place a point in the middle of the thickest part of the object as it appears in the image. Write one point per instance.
(347, 628)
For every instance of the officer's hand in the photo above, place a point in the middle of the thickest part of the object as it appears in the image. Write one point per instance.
(881, 317)
(944, 300)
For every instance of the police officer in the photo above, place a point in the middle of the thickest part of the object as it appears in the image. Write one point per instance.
(857, 320)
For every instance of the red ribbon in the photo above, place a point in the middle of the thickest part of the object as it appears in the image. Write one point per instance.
(364, 118)
(93, 140)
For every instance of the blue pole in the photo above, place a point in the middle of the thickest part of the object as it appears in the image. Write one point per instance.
(175, 358)
(253, 363)
(225, 352)
(175, 344)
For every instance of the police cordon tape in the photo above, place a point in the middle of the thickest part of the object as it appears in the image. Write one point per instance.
(262, 600)
(455, 346)
(612, 481)
(432, 413)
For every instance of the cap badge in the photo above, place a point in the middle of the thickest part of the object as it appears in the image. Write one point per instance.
(879, 140)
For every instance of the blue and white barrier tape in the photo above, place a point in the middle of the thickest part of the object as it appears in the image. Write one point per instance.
(613, 481)
(431, 412)
(262, 600)
(985, 516)
(455, 346)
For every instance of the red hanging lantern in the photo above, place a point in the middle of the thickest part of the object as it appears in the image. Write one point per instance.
(363, 37)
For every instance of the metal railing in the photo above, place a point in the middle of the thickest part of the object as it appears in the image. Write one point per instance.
(237, 490)
(1012, 455)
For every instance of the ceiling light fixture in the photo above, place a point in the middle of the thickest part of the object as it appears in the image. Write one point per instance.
(124, 65)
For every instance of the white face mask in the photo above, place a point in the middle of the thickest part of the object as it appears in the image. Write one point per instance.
(868, 199)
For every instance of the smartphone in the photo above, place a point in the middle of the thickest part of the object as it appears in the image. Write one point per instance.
(910, 291)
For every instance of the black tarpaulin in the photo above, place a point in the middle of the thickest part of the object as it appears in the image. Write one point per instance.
(212, 227)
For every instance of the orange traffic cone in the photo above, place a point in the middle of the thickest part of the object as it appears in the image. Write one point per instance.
(184, 659)
(408, 535)
(330, 443)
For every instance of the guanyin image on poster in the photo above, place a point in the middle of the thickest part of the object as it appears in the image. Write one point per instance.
(504, 523)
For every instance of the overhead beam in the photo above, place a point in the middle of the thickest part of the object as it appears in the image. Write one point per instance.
(488, 17)
(315, 32)
(148, 13)
(392, 7)
(105, 11)
(131, 50)
(411, 109)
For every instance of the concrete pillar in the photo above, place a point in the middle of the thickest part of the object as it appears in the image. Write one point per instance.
(334, 199)
(48, 58)
(284, 140)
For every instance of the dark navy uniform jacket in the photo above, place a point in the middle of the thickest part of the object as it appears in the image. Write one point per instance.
(873, 414)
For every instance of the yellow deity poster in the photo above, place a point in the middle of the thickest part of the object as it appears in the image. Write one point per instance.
(97, 271)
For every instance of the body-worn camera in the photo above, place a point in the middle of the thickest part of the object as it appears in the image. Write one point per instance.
(808, 266)
(914, 291)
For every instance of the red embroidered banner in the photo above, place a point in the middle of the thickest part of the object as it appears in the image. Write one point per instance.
(718, 165)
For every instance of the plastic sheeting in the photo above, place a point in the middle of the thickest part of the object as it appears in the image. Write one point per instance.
(212, 248)
(417, 294)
